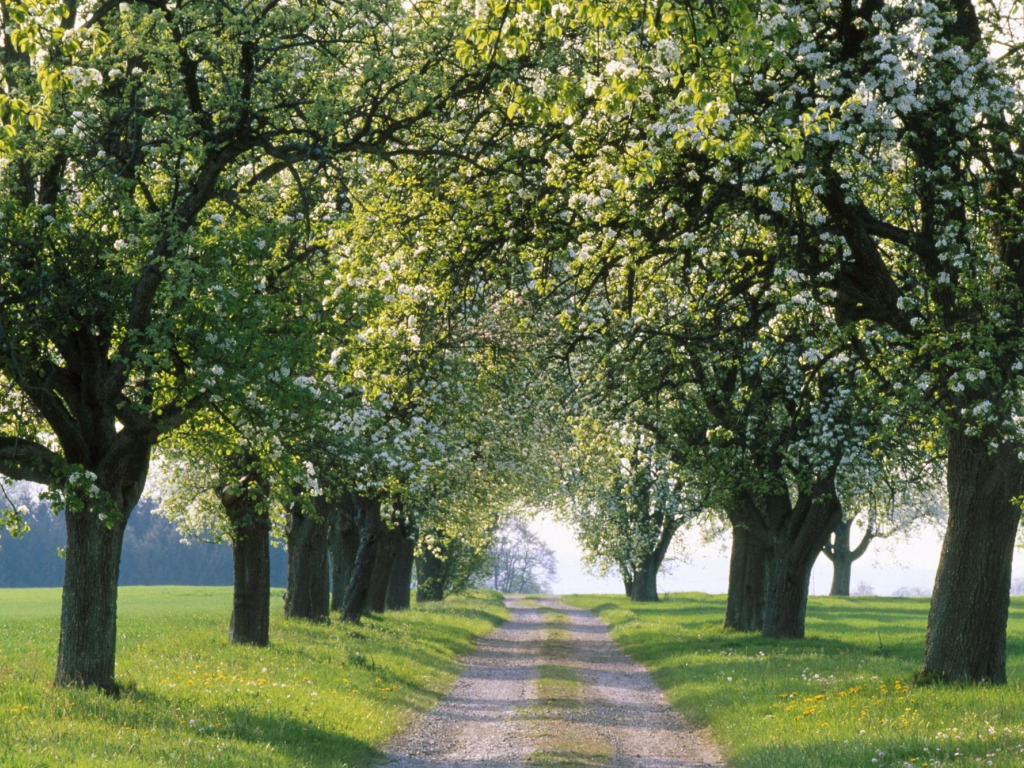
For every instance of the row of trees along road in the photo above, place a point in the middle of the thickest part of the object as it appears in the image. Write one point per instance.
(360, 274)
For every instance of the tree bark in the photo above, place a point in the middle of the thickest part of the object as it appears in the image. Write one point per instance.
(645, 581)
(795, 546)
(430, 577)
(787, 582)
(308, 595)
(966, 639)
(87, 645)
(400, 584)
(358, 592)
(343, 543)
(250, 548)
(841, 555)
(744, 606)
(627, 583)
(380, 577)
(88, 620)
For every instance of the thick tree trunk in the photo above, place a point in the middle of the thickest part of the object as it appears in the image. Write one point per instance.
(787, 582)
(645, 581)
(791, 557)
(430, 577)
(966, 640)
(87, 646)
(842, 558)
(308, 577)
(380, 577)
(358, 592)
(400, 583)
(744, 606)
(343, 542)
(88, 620)
(250, 548)
(250, 612)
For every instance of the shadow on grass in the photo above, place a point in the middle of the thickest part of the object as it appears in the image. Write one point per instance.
(239, 734)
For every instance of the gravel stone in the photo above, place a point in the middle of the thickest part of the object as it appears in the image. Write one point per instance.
(485, 722)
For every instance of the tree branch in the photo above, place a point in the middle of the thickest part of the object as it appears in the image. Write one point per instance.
(22, 459)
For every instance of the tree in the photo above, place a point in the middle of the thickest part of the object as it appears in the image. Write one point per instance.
(517, 560)
(144, 145)
(927, 257)
(891, 506)
(626, 513)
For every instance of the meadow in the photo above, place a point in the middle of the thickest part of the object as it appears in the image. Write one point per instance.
(319, 695)
(843, 697)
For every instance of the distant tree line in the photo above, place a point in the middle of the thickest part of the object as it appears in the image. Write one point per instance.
(153, 553)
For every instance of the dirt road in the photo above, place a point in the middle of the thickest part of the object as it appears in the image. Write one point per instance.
(550, 688)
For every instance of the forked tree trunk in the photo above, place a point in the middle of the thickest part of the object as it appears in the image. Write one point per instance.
(843, 556)
(791, 557)
(966, 639)
(744, 606)
(308, 595)
(358, 592)
(343, 543)
(88, 622)
(400, 583)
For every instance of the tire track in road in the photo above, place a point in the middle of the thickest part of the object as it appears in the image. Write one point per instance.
(493, 717)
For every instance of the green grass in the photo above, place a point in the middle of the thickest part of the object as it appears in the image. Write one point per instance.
(320, 695)
(842, 697)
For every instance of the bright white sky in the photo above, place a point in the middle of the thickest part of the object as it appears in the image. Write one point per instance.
(887, 566)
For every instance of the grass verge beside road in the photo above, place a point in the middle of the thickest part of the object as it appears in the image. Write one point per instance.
(320, 695)
(842, 697)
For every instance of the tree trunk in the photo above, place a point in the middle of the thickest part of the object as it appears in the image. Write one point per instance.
(250, 612)
(966, 639)
(430, 577)
(795, 547)
(744, 606)
(380, 577)
(88, 619)
(400, 584)
(250, 548)
(787, 582)
(842, 559)
(358, 592)
(308, 578)
(645, 581)
(343, 543)
(627, 583)
(87, 645)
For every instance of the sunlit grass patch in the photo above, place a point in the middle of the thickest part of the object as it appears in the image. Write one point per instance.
(844, 696)
(319, 695)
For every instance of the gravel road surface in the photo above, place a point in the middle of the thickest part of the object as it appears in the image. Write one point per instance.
(493, 717)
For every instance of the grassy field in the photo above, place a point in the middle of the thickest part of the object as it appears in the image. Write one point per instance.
(318, 696)
(841, 698)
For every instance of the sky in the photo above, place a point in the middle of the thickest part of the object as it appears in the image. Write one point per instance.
(888, 566)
